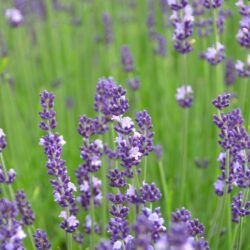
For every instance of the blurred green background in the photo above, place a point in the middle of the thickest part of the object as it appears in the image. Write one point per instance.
(63, 53)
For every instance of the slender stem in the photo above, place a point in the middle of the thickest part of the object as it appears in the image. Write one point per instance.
(31, 238)
(92, 215)
(165, 189)
(69, 235)
(228, 204)
(145, 168)
(184, 157)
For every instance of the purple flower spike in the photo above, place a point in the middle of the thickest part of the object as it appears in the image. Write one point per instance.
(149, 192)
(3, 142)
(242, 69)
(214, 55)
(24, 208)
(41, 240)
(230, 73)
(239, 208)
(222, 101)
(184, 96)
(212, 3)
(110, 98)
(126, 59)
(243, 35)
(181, 215)
(108, 28)
(134, 83)
(48, 114)
(177, 4)
(161, 45)
(12, 234)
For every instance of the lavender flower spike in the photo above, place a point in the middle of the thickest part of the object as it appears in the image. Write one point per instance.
(184, 96)
(242, 69)
(126, 59)
(24, 208)
(214, 55)
(14, 16)
(41, 240)
(3, 142)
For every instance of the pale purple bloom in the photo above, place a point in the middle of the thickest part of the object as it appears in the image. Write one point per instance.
(184, 96)
(14, 16)
(243, 69)
(215, 54)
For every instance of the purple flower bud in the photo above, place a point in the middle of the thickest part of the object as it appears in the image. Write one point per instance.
(110, 98)
(48, 114)
(230, 73)
(177, 4)
(184, 96)
(222, 101)
(133, 83)
(212, 3)
(108, 28)
(41, 240)
(126, 59)
(24, 208)
(149, 192)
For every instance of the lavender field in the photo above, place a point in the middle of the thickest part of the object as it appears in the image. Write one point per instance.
(124, 124)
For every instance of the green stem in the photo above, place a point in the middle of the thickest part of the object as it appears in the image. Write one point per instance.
(165, 189)
(145, 168)
(92, 215)
(69, 235)
(184, 158)
(31, 238)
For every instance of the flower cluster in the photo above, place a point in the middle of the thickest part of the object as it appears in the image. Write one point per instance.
(24, 208)
(234, 158)
(243, 35)
(183, 22)
(41, 240)
(214, 55)
(212, 3)
(129, 68)
(230, 72)
(53, 144)
(11, 230)
(108, 28)
(184, 96)
(14, 17)
(243, 69)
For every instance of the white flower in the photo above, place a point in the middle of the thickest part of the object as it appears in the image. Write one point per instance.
(71, 186)
(61, 141)
(117, 245)
(42, 141)
(57, 196)
(84, 187)
(63, 215)
(135, 153)
(72, 221)
(126, 122)
(96, 182)
(99, 143)
(131, 190)
(13, 15)
(239, 65)
(1, 133)
(221, 157)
